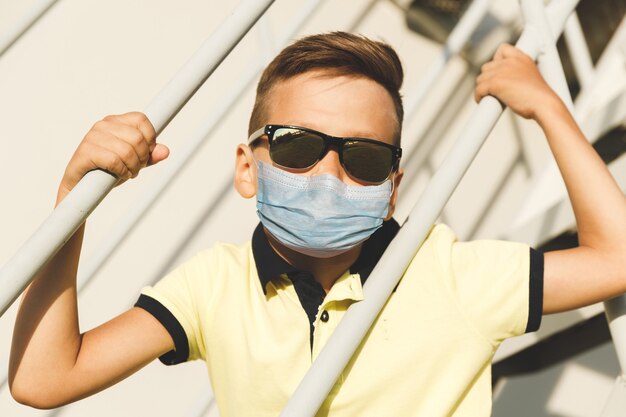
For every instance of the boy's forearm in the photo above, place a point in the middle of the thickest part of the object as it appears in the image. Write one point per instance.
(598, 203)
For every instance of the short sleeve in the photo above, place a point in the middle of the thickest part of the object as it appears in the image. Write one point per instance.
(174, 302)
(499, 285)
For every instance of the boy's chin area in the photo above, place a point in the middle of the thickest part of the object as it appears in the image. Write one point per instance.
(288, 253)
(325, 270)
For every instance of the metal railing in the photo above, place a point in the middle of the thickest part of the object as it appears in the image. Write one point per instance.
(23, 23)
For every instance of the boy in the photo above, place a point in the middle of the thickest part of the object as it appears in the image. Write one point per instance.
(323, 162)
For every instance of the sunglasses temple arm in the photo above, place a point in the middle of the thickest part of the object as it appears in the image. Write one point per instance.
(256, 134)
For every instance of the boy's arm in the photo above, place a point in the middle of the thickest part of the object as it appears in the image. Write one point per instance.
(596, 269)
(51, 363)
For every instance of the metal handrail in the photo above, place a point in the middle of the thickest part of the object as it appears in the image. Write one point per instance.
(95, 185)
(429, 133)
(24, 22)
(458, 38)
(331, 361)
(578, 50)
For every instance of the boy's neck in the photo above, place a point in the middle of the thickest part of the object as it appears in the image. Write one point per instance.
(325, 270)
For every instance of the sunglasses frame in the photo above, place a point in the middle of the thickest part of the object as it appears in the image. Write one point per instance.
(338, 142)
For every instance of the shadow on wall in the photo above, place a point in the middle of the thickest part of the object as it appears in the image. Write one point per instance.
(577, 388)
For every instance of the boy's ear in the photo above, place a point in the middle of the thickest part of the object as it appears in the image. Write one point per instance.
(245, 172)
(394, 196)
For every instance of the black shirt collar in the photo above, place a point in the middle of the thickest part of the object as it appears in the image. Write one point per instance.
(270, 265)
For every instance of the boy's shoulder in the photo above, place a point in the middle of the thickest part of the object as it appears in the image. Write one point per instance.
(224, 253)
(442, 244)
(443, 235)
(440, 239)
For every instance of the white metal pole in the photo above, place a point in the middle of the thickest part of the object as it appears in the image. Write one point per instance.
(616, 316)
(320, 378)
(548, 61)
(455, 42)
(11, 34)
(612, 55)
(578, 50)
(616, 403)
(88, 193)
(201, 405)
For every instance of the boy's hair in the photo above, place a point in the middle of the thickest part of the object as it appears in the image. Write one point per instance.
(340, 53)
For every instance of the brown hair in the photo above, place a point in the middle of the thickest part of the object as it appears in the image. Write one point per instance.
(341, 53)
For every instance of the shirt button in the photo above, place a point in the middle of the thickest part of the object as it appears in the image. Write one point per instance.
(324, 316)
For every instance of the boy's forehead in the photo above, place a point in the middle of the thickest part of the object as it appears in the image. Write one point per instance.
(336, 104)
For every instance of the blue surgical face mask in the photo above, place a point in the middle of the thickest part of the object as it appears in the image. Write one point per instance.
(319, 216)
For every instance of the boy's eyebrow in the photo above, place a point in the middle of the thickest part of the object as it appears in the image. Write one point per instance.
(354, 134)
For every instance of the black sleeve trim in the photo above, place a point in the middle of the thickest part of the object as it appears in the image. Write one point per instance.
(180, 353)
(535, 296)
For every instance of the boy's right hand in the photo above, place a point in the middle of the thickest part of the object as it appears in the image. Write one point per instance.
(119, 144)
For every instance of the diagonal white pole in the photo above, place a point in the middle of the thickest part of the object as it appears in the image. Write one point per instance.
(615, 311)
(457, 39)
(578, 51)
(18, 27)
(331, 361)
(549, 62)
(87, 194)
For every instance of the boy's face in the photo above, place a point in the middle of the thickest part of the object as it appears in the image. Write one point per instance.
(341, 106)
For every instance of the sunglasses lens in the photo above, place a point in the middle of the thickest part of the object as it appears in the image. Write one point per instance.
(295, 148)
(367, 161)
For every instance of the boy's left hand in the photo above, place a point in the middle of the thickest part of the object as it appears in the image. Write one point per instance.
(513, 78)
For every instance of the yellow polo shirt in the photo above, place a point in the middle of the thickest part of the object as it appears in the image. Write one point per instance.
(259, 323)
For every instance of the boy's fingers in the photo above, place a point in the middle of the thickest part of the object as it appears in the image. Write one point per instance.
(506, 50)
(129, 134)
(486, 67)
(484, 83)
(499, 52)
(141, 122)
(488, 71)
(136, 120)
(480, 91)
(124, 151)
(159, 153)
(110, 162)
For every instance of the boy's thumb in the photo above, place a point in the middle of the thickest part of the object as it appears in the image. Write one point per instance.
(159, 153)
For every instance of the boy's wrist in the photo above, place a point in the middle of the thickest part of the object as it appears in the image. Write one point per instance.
(551, 107)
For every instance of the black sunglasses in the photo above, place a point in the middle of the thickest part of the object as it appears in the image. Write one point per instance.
(296, 147)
